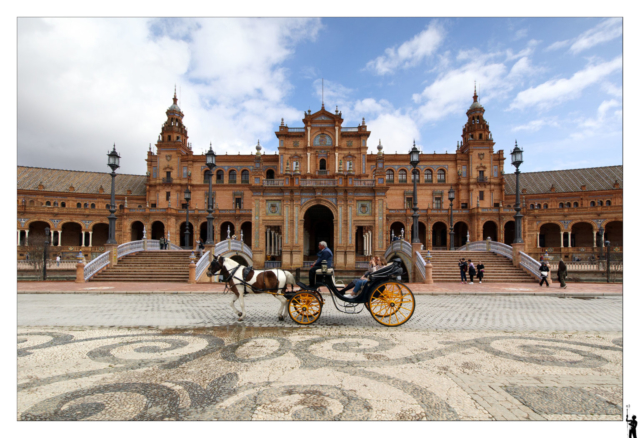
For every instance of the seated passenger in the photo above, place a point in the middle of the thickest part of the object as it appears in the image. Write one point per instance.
(374, 264)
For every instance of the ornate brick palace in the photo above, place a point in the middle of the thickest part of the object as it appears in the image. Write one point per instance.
(324, 185)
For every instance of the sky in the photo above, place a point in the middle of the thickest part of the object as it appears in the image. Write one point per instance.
(552, 84)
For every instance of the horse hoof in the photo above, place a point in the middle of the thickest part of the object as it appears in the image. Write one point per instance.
(281, 318)
(239, 313)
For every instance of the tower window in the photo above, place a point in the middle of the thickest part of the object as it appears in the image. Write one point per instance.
(168, 138)
(442, 177)
(437, 202)
(168, 195)
(481, 195)
(402, 176)
(323, 164)
(238, 203)
(232, 177)
(390, 176)
(428, 175)
(219, 177)
(480, 136)
(608, 203)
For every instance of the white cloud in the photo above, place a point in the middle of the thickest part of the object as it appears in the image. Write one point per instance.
(556, 91)
(410, 53)
(535, 125)
(604, 31)
(85, 83)
(521, 33)
(604, 119)
(397, 132)
(611, 89)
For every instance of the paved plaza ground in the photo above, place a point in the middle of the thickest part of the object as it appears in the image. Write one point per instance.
(162, 356)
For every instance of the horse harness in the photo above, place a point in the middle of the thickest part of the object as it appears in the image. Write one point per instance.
(245, 273)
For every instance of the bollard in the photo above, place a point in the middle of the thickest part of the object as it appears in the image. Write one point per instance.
(80, 272)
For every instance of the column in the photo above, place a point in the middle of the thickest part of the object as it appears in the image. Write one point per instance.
(280, 245)
(538, 239)
(267, 242)
(26, 240)
(366, 248)
(594, 239)
(336, 171)
(18, 237)
(308, 162)
(82, 240)
(569, 241)
(60, 238)
(561, 239)
(90, 238)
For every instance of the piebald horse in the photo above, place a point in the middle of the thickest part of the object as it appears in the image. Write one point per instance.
(272, 280)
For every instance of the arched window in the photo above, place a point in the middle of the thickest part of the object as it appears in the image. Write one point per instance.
(232, 177)
(402, 176)
(592, 204)
(532, 206)
(48, 203)
(55, 203)
(63, 204)
(608, 203)
(538, 206)
(86, 205)
(244, 176)
(600, 203)
(121, 207)
(415, 176)
(561, 205)
(169, 138)
(428, 176)
(78, 205)
(545, 206)
(323, 163)
(220, 177)
(390, 175)
(93, 205)
(479, 136)
(207, 176)
(32, 203)
(442, 177)
(271, 174)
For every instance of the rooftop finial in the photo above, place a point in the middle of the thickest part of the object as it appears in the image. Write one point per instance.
(175, 97)
(475, 95)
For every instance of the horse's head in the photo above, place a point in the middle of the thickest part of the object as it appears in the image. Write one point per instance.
(216, 265)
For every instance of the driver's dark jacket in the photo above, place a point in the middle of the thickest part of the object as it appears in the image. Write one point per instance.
(327, 255)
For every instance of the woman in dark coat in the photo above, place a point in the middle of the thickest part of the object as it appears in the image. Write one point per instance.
(472, 271)
(544, 271)
(480, 271)
(562, 274)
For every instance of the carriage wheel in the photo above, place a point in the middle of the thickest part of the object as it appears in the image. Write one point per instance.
(392, 304)
(305, 308)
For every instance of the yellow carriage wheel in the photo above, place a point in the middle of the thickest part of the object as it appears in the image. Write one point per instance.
(392, 304)
(305, 308)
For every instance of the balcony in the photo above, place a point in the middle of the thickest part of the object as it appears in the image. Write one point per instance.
(167, 180)
(483, 179)
(232, 180)
(364, 183)
(296, 129)
(318, 183)
(273, 182)
(323, 172)
(349, 129)
(244, 181)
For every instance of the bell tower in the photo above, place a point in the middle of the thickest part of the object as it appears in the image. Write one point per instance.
(174, 134)
(476, 131)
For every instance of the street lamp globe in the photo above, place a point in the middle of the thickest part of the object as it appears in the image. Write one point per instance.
(114, 159)
(516, 156)
(211, 158)
(187, 195)
(452, 194)
(415, 155)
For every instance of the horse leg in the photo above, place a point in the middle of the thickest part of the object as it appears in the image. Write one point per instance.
(233, 300)
(283, 305)
(242, 313)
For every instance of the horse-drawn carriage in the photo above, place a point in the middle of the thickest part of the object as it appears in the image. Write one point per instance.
(390, 302)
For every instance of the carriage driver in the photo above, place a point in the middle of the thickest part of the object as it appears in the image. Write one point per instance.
(324, 254)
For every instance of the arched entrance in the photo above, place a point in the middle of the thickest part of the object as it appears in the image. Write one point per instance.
(582, 235)
(240, 260)
(203, 232)
(549, 235)
(100, 234)
(71, 234)
(510, 232)
(227, 229)
(613, 233)
(460, 237)
(137, 229)
(490, 229)
(246, 233)
(36, 233)
(396, 230)
(318, 227)
(439, 235)
(157, 230)
(183, 230)
(422, 233)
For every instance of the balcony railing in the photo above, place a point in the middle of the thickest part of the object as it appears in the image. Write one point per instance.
(232, 181)
(323, 172)
(296, 129)
(364, 183)
(167, 180)
(349, 129)
(273, 182)
(318, 183)
(244, 181)
(483, 179)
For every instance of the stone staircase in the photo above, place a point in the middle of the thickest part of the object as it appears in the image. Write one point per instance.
(149, 266)
(497, 269)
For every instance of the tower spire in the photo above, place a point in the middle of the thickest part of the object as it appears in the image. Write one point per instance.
(475, 95)
(175, 98)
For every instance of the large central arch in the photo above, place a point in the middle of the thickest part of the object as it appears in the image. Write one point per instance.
(318, 227)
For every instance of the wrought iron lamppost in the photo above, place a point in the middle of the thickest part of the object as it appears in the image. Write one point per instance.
(113, 163)
(187, 197)
(516, 160)
(46, 246)
(415, 160)
(452, 196)
(211, 164)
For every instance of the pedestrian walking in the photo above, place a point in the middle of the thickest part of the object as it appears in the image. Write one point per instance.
(480, 271)
(463, 271)
(58, 261)
(562, 274)
(544, 271)
(472, 271)
(162, 242)
(200, 247)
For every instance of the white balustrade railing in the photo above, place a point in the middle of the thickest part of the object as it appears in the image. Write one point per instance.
(202, 264)
(228, 245)
(502, 249)
(272, 264)
(129, 247)
(175, 247)
(153, 245)
(530, 264)
(587, 266)
(420, 264)
(25, 265)
(95, 265)
(318, 183)
(398, 246)
(475, 246)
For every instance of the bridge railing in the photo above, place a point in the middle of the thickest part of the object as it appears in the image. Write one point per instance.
(95, 265)
(398, 246)
(129, 247)
(232, 245)
(480, 245)
(489, 245)
(530, 264)
(420, 265)
(202, 264)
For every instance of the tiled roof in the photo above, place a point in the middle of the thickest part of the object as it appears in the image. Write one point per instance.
(57, 180)
(595, 178)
